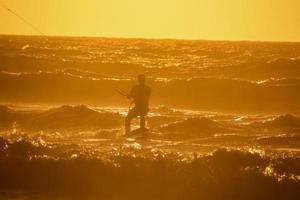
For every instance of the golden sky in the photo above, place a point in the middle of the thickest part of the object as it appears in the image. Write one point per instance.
(277, 20)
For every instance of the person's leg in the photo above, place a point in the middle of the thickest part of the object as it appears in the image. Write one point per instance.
(142, 121)
(131, 114)
(142, 113)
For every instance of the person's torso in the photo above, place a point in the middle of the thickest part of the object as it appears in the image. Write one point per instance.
(141, 95)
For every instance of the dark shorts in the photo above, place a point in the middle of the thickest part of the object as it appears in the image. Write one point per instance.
(134, 112)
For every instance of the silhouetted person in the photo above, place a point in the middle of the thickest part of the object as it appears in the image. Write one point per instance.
(140, 94)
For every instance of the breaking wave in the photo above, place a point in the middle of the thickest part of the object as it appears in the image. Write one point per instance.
(65, 171)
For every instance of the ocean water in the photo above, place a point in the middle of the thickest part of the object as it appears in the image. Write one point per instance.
(245, 76)
(224, 119)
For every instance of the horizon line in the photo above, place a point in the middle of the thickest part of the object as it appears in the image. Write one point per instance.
(149, 38)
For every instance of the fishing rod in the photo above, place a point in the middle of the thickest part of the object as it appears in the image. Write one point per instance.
(25, 21)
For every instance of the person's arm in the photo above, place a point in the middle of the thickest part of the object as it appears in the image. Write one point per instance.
(130, 95)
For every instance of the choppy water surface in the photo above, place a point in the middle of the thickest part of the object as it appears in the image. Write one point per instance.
(224, 119)
(171, 130)
(246, 76)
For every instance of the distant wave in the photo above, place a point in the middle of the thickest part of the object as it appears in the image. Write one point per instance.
(230, 95)
(281, 82)
(277, 68)
(286, 122)
(197, 93)
(61, 118)
(22, 63)
(199, 127)
(282, 141)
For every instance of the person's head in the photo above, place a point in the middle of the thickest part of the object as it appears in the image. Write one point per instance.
(141, 79)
